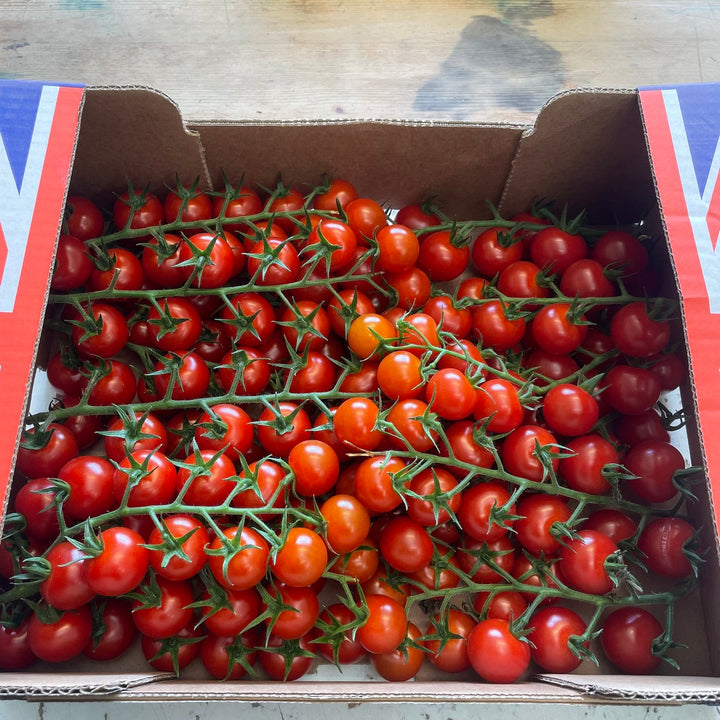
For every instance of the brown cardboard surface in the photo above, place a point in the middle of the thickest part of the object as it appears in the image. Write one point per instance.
(586, 147)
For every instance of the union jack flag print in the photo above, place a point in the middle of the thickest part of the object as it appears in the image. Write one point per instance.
(38, 126)
(683, 131)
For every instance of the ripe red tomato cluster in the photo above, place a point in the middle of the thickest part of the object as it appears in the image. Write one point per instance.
(287, 422)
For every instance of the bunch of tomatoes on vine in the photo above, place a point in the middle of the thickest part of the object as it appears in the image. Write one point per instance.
(292, 426)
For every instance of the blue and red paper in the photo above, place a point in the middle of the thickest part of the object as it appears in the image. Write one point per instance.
(683, 131)
(38, 127)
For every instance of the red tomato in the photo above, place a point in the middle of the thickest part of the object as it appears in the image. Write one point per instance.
(150, 433)
(239, 609)
(433, 497)
(412, 288)
(91, 481)
(627, 640)
(654, 464)
(448, 651)
(236, 203)
(137, 210)
(582, 562)
(354, 423)
(495, 654)
(160, 261)
(504, 605)
(552, 629)
(484, 512)
(405, 662)
(443, 256)
(497, 403)
(340, 646)
(66, 587)
(175, 324)
(34, 501)
(184, 556)
(664, 542)
(570, 410)
(73, 266)
(102, 330)
(457, 321)
(15, 652)
(365, 217)
(227, 428)
(522, 452)
(187, 204)
(636, 333)
(118, 632)
(450, 394)
(535, 526)
(300, 610)
(335, 242)
(206, 478)
(316, 467)
(167, 611)
(251, 318)
(228, 657)
(120, 270)
(347, 523)
(60, 639)
(406, 545)
(556, 331)
(494, 250)
(410, 426)
(121, 565)
(174, 653)
(385, 627)
(302, 559)
(375, 483)
(83, 217)
(280, 428)
(337, 194)
(583, 470)
(620, 251)
(239, 559)
(463, 446)
(611, 522)
(398, 249)
(370, 334)
(286, 660)
(399, 375)
(554, 250)
(522, 279)
(417, 217)
(494, 328)
(630, 390)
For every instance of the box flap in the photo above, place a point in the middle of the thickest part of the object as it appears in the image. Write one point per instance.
(135, 135)
(64, 685)
(384, 159)
(683, 134)
(38, 128)
(599, 131)
(645, 688)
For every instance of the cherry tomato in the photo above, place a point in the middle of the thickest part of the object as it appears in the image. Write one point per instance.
(73, 266)
(442, 256)
(654, 464)
(522, 449)
(185, 556)
(663, 542)
(15, 652)
(385, 627)
(570, 410)
(242, 562)
(167, 614)
(405, 662)
(91, 481)
(636, 333)
(481, 513)
(302, 559)
(347, 523)
(84, 218)
(495, 654)
(60, 639)
(552, 628)
(121, 565)
(627, 640)
(66, 587)
(582, 562)
(538, 515)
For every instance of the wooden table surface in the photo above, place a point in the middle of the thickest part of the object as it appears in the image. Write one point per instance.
(286, 59)
(454, 60)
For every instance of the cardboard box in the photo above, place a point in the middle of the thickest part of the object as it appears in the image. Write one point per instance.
(620, 155)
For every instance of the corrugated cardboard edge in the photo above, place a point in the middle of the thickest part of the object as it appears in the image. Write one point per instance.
(646, 689)
(73, 685)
